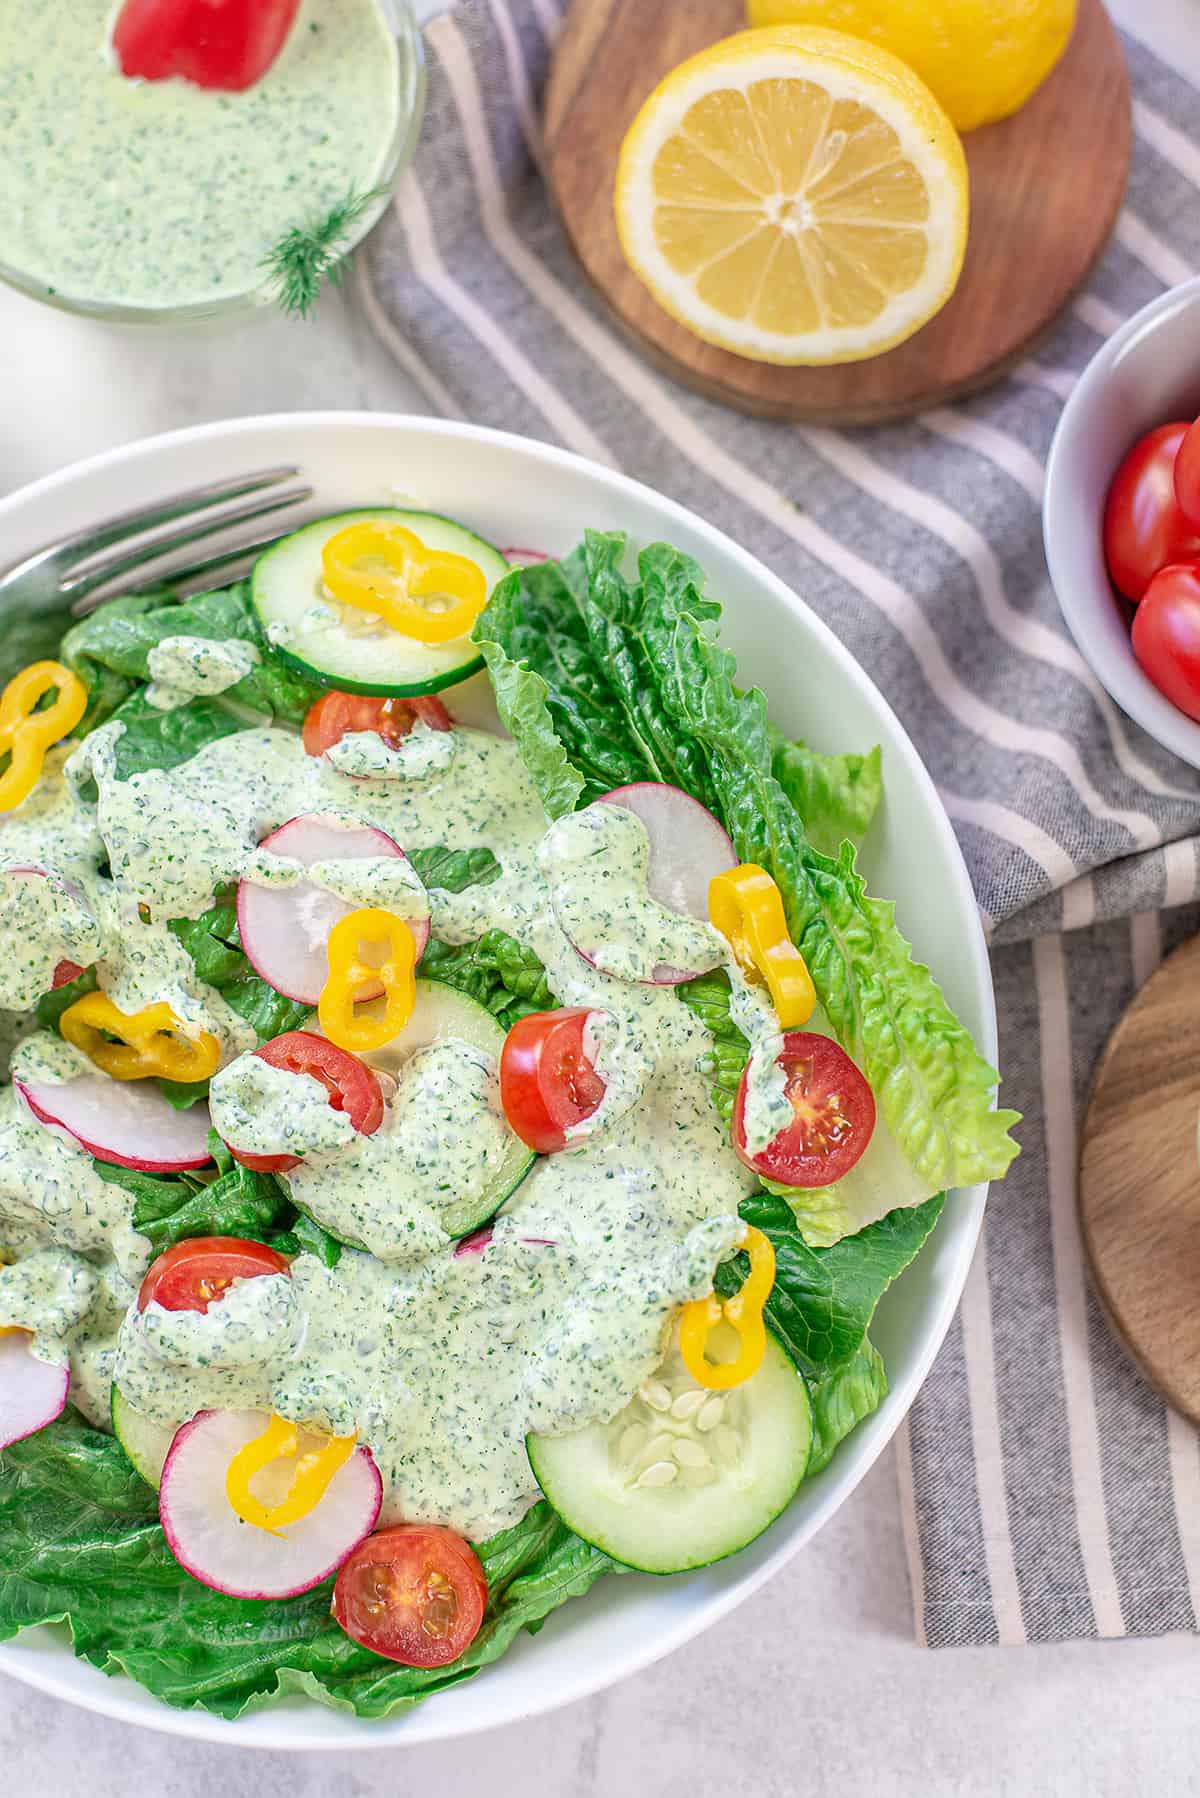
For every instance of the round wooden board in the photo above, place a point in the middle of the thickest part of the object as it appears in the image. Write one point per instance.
(1139, 1179)
(1046, 186)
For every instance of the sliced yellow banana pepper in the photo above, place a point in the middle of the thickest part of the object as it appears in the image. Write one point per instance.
(744, 1312)
(309, 1484)
(385, 569)
(26, 734)
(149, 1042)
(353, 981)
(746, 906)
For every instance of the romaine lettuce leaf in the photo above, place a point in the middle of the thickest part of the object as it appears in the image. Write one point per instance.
(496, 971)
(841, 1400)
(823, 1300)
(835, 795)
(81, 1542)
(636, 687)
(111, 647)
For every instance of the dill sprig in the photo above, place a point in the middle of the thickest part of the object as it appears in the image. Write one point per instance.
(307, 256)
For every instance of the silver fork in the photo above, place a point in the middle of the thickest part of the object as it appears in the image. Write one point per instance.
(79, 572)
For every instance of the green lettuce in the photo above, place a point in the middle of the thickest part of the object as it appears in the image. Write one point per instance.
(634, 686)
(823, 1299)
(835, 795)
(841, 1400)
(496, 971)
(81, 1542)
(110, 650)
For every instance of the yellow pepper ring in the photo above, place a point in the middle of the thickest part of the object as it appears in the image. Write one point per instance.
(150, 1042)
(746, 906)
(26, 734)
(744, 1312)
(310, 1482)
(351, 980)
(410, 573)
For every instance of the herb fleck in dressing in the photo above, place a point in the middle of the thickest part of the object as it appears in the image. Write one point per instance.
(441, 1362)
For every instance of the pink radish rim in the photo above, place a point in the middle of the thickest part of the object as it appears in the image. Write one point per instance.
(57, 1406)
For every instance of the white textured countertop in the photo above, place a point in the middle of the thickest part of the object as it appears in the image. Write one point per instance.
(816, 1686)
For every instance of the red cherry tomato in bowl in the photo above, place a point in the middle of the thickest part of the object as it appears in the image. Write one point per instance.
(414, 1593)
(227, 44)
(352, 1087)
(833, 1115)
(1144, 528)
(336, 714)
(1187, 476)
(1166, 635)
(547, 1083)
(194, 1274)
(65, 972)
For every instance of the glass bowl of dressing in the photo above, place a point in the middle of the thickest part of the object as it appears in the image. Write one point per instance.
(148, 202)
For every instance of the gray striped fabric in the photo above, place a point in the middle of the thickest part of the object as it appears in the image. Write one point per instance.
(1048, 1492)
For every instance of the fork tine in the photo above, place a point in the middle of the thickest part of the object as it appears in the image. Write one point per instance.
(176, 505)
(149, 545)
(185, 580)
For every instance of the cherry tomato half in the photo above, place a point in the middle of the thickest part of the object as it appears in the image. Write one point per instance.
(1144, 528)
(414, 1593)
(350, 1083)
(193, 1274)
(547, 1083)
(65, 973)
(227, 44)
(834, 1115)
(1187, 476)
(335, 715)
(1166, 635)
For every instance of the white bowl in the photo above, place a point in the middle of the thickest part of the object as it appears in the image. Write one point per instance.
(1147, 374)
(516, 491)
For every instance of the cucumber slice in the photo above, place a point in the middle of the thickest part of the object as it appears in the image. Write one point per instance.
(145, 1442)
(441, 1012)
(736, 1465)
(344, 651)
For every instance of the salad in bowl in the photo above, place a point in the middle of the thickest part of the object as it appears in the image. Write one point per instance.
(464, 1110)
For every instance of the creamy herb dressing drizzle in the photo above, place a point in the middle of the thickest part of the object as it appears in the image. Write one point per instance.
(181, 668)
(442, 1362)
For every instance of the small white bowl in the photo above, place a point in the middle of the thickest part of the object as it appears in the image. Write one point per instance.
(518, 491)
(1147, 374)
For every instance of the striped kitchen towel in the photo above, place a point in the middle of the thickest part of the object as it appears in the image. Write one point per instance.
(1048, 1492)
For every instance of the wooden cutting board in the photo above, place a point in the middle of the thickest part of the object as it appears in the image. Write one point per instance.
(1046, 186)
(1139, 1179)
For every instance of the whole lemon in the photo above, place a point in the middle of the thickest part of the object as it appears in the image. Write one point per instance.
(982, 58)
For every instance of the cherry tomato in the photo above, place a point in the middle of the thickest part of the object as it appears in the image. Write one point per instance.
(1187, 476)
(1166, 635)
(350, 1083)
(193, 1274)
(414, 1593)
(336, 714)
(226, 44)
(65, 973)
(834, 1115)
(1144, 528)
(547, 1083)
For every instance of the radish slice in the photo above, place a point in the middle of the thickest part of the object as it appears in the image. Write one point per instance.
(32, 1392)
(687, 845)
(211, 1542)
(479, 1240)
(284, 930)
(521, 557)
(73, 926)
(126, 1122)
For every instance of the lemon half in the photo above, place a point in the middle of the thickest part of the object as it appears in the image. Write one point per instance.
(794, 195)
(982, 58)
